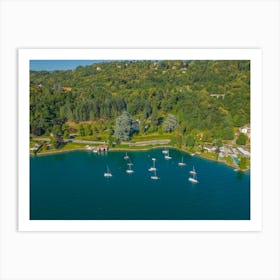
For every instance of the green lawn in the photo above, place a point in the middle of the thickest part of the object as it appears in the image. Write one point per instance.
(32, 143)
(97, 137)
(70, 146)
(136, 147)
(65, 147)
(139, 138)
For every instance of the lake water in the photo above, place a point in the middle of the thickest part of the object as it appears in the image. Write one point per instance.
(72, 186)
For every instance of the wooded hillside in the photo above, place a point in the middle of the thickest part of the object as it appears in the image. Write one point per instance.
(211, 97)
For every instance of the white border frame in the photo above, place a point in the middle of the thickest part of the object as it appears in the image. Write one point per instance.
(254, 224)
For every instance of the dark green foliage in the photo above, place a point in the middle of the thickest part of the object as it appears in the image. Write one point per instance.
(55, 143)
(227, 133)
(190, 141)
(242, 139)
(57, 130)
(81, 130)
(179, 140)
(148, 90)
(147, 110)
(88, 130)
(154, 119)
(244, 163)
(219, 143)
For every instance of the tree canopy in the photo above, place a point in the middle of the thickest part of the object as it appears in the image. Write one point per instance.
(169, 123)
(201, 95)
(242, 139)
(123, 129)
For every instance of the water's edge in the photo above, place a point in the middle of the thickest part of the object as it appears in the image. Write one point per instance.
(142, 150)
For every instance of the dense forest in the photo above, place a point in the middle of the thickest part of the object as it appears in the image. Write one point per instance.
(209, 97)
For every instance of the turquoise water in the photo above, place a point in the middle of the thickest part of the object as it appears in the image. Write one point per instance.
(235, 160)
(72, 186)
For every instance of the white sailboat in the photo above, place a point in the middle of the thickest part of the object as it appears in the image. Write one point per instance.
(126, 157)
(154, 177)
(108, 173)
(129, 170)
(193, 179)
(193, 172)
(182, 163)
(165, 151)
(153, 168)
(167, 156)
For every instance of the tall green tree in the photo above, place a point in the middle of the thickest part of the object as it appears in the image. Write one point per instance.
(170, 123)
(88, 129)
(190, 141)
(154, 117)
(244, 163)
(242, 139)
(123, 127)
(147, 110)
(150, 90)
(81, 130)
(228, 133)
(57, 130)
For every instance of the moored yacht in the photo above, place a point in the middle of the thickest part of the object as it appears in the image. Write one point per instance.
(153, 168)
(108, 173)
(182, 163)
(126, 157)
(167, 156)
(193, 179)
(155, 177)
(129, 170)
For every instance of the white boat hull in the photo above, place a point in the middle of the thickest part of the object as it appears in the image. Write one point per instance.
(154, 177)
(193, 180)
(129, 171)
(107, 175)
(181, 164)
(152, 169)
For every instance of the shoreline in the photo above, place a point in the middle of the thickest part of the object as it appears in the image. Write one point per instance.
(57, 152)
(140, 149)
(143, 150)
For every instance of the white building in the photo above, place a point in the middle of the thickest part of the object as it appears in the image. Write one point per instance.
(246, 130)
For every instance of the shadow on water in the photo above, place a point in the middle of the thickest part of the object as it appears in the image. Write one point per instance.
(240, 175)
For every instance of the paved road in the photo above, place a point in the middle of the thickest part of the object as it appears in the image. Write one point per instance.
(70, 140)
(151, 142)
(142, 143)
